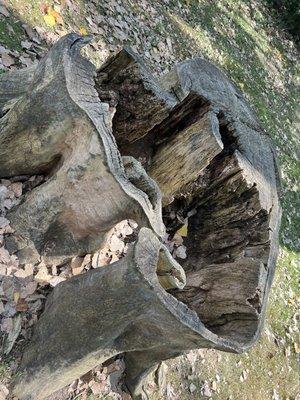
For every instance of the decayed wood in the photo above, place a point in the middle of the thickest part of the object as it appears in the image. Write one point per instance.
(180, 160)
(142, 103)
(57, 126)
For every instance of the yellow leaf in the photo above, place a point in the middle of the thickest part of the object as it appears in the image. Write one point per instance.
(183, 230)
(16, 296)
(58, 18)
(83, 31)
(50, 20)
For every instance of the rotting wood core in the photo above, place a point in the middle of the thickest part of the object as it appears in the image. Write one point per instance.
(228, 241)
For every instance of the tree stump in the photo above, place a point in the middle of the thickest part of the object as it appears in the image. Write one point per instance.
(118, 143)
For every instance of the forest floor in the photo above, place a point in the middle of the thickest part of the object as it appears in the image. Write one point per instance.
(246, 41)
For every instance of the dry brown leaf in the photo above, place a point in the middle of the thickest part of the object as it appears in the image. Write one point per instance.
(96, 387)
(86, 260)
(24, 273)
(22, 305)
(43, 276)
(7, 60)
(56, 280)
(3, 222)
(4, 392)
(116, 244)
(6, 324)
(29, 289)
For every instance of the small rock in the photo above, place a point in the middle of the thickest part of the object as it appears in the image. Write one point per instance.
(4, 256)
(56, 280)
(4, 11)
(3, 192)
(6, 324)
(95, 260)
(192, 388)
(4, 392)
(86, 260)
(214, 385)
(180, 252)
(177, 239)
(116, 244)
(43, 276)
(77, 265)
(206, 390)
(29, 289)
(96, 387)
(3, 222)
(7, 60)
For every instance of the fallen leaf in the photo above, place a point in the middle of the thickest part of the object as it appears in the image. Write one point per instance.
(13, 334)
(4, 392)
(96, 387)
(44, 8)
(6, 324)
(4, 256)
(29, 289)
(16, 296)
(43, 276)
(4, 11)
(177, 239)
(56, 280)
(22, 305)
(3, 222)
(83, 31)
(192, 388)
(116, 244)
(56, 15)
(183, 230)
(77, 265)
(24, 273)
(16, 187)
(49, 20)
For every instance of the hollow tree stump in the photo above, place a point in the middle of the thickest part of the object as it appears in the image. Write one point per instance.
(202, 145)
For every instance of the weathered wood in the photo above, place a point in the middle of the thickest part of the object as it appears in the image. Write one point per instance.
(142, 103)
(180, 160)
(59, 127)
